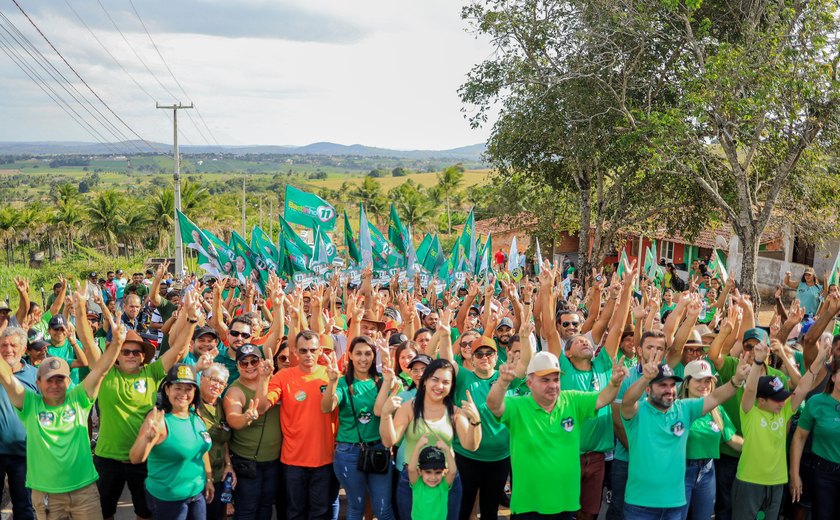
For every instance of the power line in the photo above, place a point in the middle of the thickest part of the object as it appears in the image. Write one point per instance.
(80, 77)
(120, 65)
(170, 71)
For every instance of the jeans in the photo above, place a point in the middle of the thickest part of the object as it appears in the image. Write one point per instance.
(216, 510)
(725, 469)
(404, 497)
(537, 516)
(356, 484)
(254, 497)
(14, 466)
(825, 495)
(633, 512)
(194, 508)
(699, 489)
(485, 479)
(310, 493)
(618, 481)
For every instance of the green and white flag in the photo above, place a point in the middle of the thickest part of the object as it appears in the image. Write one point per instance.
(350, 242)
(537, 258)
(434, 259)
(227, 258)
(447, 270)
(623, 264)
(834, 275)
(397, 233)
(467, 242)
(262, 245)
(718, 265)
(289, 233)
(243, 266)
(423, 249)
(324, 252)
(308, 209)
(365, 240)
(486, 258)
(385, 255)
(193, 238)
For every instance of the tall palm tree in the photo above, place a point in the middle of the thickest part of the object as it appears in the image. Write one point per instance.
(65, 194)
(369, 193)
(9, 219)
(161, 210)
(413, 205)
(133, 226)
(104, 218)
(449, 181)
(67, 220)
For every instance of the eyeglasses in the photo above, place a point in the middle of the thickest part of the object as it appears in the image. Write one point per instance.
(248, 363)
(129, 353)
(569, 323)
(484, 354)
(215, 380)
(282, 359)
(305, 351)
(238, 334)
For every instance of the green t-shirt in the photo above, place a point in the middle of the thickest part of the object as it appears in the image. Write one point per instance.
(733, 405)
(495, 439)
(364, 395)
(124, 401)
(597, 433)
(429, 503)
(666, 308)
(66, 352)
(214, 420)
(705, 436)
(100, 343)
(228, 362)
(176, 466)
(763, 457)
(633, 375)
(518, 387)
(165, 309)
(822, 419)
(656, 476)
(58, 455)
(545, 450)
(142, 292)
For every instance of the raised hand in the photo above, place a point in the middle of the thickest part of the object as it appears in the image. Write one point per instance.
(775, 327)
(651, 369)
(22, 284)
(332, 367)
(119, 330)
(204, 362)
(760, 352)
(469, 410)
(154, 426)
(742, 371)
(507, 372)
(252, 413)
(391, 405)
(619, 372)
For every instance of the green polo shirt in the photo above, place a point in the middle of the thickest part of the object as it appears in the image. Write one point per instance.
(656, 476)
(597, 433)
(706, 437)
(822, 419)
(545, 450)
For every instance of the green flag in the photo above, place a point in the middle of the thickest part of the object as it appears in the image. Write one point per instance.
(834, 275)
(717, 264)
(447, 270)
(308, 209)
(434, 259)
(485, 258)
(227, 258)
(242, 261)
(423, 249)
(294, 259)
(287, 231)
(623, 264)
(467, 242)
(384, 253)
(350, 242)
(537, 258)
(365, 240)
(262, 245)
(324, 252)
(397, 234)
(193, 238)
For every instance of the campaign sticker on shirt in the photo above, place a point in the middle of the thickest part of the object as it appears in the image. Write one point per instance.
(596, 385)
(69, 415)
(568, 424)
(365, 416)
(714, 426)
(46, 418)
(300, 396)
(323, 389)
(678, 429)
(140, 386)
(206, 437)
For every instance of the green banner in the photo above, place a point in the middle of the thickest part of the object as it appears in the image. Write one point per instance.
(397, 233)
(194, 238)
(308, 209)
(350, 242)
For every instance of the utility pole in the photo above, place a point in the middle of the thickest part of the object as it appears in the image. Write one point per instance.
(179, 247)
(261, 224)
(271, 220)
(243, 205)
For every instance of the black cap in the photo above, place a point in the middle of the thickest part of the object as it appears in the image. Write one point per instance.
(35, 340)
(93, 274)
(396, 339)
(666, 372)
(432, 457)
(248, 350)
(771, 387)
(420, 358)
(58, 322)
(201, 331)
(181, 373)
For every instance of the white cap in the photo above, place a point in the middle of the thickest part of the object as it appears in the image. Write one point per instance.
(543, 363)
(698, 369)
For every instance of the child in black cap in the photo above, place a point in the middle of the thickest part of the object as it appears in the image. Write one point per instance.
(431, 472)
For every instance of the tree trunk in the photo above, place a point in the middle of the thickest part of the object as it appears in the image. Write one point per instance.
(749, 263)
(585, 204)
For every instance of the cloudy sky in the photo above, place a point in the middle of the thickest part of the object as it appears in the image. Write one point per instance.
(376, 72)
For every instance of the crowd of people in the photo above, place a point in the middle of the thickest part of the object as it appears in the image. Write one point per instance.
(206, 398)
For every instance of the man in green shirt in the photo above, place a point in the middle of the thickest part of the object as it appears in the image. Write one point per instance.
(63, 344)
(60, 468)
(657, 436)
(545, 435)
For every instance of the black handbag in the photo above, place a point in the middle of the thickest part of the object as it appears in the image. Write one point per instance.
(371, 459)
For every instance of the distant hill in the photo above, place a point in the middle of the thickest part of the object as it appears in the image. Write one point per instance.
(466, 153)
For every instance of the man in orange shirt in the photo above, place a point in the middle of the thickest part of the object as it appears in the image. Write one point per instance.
(308, 434)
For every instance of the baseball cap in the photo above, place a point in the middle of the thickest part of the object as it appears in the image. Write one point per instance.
(544, 363)
(506, 322)
(248, 350)
(756, 334)
(666, 372)
(35, 340)
(120, 271)
(396, 339)
(93, 274)
(201, 331)
(58, 322)
(698, 369)
(93, 315)
(771, 387)
(4, 306)
(432, 457)
(420, 358)
(53, 366)
(181, 373)
(483, 341)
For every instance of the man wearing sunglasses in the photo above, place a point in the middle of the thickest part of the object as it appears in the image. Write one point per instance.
(129, 391)
(233, 337)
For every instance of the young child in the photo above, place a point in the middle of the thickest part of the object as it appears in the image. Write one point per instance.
(431, 472)
(766, 408)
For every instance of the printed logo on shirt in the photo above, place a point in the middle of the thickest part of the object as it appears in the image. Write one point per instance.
(300, 396)
(775, 425)
(678, 429)
(68, 416)
(714, 426)
(140, 386)
(206, 437)
(365, 416)
(46, 418)
(596, 385)
(323, 389)
(568, 424)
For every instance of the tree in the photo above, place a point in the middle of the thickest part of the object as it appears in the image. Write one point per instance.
(369, 193)
(413, 205)
(104, 218)
(449, 181)
(399, 171)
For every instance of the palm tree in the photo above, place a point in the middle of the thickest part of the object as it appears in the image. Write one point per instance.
(161, 209)
(413, 204)
(67, 220)
(369, 193)
(133, 227)
(65, 194)
(449, 181)
(105, 217)
(9, 219)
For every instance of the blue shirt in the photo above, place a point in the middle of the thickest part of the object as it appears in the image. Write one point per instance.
(809, 296)
(12, 433)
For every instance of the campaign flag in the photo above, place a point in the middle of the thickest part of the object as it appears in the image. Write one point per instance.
(537, 258)
(385, 255)
(434, 258)
(467, 242)
(423, 249)
(289, 233)
(242, 259)
(193, 238)
(350, 242)
(227, 258)
(834, 275)
(308, 209)
(397, 233)
(717, 264)
(484, 261)
(513, 256)
(447, 270)
(262, 245)
(410, 256)
(365, 241)
(324, 252)
(623, 264)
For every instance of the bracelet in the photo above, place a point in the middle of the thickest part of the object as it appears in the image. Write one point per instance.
(192, 321)
(526, 303)
(757, 362)
(737, 386)
(476, 423)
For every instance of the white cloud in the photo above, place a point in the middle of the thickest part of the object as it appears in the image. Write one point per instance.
(392, 84)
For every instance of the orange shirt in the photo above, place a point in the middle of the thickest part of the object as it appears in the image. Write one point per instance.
(308, 434)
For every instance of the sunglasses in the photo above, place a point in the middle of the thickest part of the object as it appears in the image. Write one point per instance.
(239, 334)
(569, 323)
(305, 351)
(248, 363)
(484, 354)
(282, 359)
(130, 353)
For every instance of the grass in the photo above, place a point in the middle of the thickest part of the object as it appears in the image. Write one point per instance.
(471, 178)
